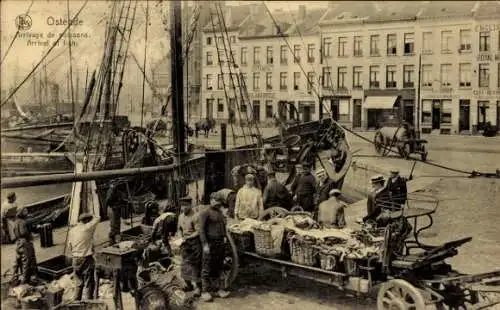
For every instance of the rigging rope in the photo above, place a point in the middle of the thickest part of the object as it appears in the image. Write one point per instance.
(231, 77)
(243, 88)
(70, 65)
(220, 65)
(56, 43)
(144, 62)
(17, 33)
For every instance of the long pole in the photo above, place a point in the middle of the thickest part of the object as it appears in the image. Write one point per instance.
(177, 79)
(418, 94)
(144, 62)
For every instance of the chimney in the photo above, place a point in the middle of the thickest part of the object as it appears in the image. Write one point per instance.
(302, 12)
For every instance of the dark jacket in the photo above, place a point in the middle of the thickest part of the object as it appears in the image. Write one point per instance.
(324, 190)
(374, 204)
(397, 190)
(276, 194)
(306, 185)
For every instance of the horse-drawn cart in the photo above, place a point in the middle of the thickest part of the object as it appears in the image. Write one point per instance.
(417, 280)
(403, 138)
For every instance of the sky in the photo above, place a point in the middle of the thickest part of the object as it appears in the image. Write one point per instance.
(88, 49)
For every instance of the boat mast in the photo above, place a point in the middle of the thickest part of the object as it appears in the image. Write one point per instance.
(177, 80)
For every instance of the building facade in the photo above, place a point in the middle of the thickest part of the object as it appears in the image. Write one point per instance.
(273, 60)
(433, 64)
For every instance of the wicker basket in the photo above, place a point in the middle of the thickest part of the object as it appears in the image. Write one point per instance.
(83, 305)
(328, 259)
(351, 266)
(244, 241)
(302, 251)
(264, 244)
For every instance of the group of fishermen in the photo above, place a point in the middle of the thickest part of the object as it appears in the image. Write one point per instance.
(203, 228)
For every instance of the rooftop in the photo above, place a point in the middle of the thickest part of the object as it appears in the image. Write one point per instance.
(233, 17)
(440, 9)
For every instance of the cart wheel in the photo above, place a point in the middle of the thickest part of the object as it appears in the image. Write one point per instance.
(231, 262)
(404, 150)
(398, 294)
(273, 213)
(378, 141)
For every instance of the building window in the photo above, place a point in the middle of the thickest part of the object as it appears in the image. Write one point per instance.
(342, 75)
(269, 80)
(244, 55)
(269, 54)
(427, 43)
(408, 76)
(465, 74)
(446, 41)
(427, 75)
(446, 113)
(256, 80)
(484, 75)
(209, 40)
(310, 53)
(243, 108)
(220, 105)
(342, 46)
(465, 40)
(283, 55)
(221, 57)
(283, 78)
(233, 56)
(296, 53)
(220, 81)
(327, 77)
(220, 41)
(374, 76)
(390, 78)
(296, 80)
(244, 79)
(357, 73)
(484, 41)
(256, 110)
(392, 44)
(358, 46)
(445, 75)
(256, 55)
(209, 82)
(233, 39)
(374, 45)
(426, 111)
(269, 109)
(210, 59)
(310, 80)
(409, 43)
(327, 47)
(209, 107)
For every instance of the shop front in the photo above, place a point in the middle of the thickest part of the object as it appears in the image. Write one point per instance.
(380, 105)
(380, 110)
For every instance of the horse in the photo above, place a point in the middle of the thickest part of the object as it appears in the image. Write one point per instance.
(206, 125)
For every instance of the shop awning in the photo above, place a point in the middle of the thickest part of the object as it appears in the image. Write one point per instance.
(380, 102)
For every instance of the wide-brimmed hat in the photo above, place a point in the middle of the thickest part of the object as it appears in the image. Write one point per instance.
(334, 192)
(394, 171)
(377, 179)
(84, 216)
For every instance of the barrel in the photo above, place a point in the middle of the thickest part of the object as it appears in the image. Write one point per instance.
(46, 235)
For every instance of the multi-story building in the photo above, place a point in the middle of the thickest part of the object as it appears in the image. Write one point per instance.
(273, 58)
(371, 56)
(436, 64)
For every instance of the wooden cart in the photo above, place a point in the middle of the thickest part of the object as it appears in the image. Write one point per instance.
(415, 280)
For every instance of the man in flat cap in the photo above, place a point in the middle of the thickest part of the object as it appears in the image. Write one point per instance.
(276, 194)
(376, 199)
(331, 211)
(325, 185)
(212, 237)
(81, 246)
(306, 189)
(396, 187)
(9, 210)
(249, 202)
(191, 246)
(25, 265)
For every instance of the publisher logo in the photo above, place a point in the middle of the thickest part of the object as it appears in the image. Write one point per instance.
(23, 22)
